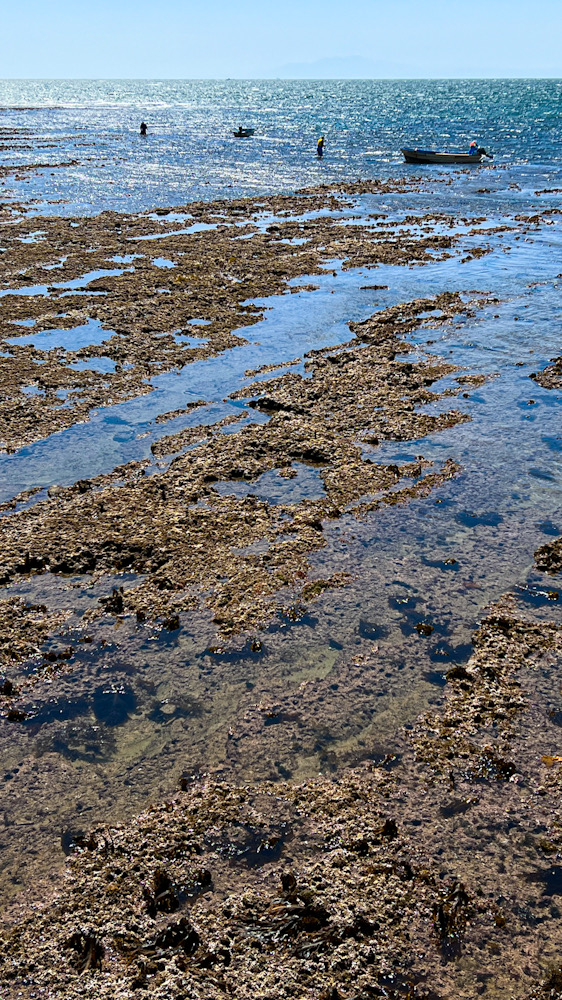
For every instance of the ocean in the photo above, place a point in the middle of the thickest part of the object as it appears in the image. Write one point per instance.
(190, 153)
(443, 561)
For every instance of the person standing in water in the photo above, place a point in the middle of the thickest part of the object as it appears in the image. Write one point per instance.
(320, 147)
(143, 127)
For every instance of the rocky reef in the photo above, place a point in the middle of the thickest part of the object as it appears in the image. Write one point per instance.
(294, 854)
(430, 873)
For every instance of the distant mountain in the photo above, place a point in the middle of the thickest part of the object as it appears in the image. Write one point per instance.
(342, 68)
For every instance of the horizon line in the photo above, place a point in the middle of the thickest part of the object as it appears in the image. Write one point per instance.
(264, 79)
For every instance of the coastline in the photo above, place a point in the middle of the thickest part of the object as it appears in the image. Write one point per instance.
(377, 851)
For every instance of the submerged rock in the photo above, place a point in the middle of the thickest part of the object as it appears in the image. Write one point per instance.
(113, 703)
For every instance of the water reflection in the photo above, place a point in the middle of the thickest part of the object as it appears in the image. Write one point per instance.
(135, 706)
(190, 154)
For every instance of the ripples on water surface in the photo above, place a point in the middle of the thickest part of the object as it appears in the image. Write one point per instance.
(442, 562)
(190, 152)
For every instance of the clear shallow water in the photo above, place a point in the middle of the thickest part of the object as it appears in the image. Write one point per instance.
(88, 334)
(524, 279)
(180, 700)
(190, 152)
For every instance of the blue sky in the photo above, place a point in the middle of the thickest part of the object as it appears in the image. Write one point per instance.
(185, 39)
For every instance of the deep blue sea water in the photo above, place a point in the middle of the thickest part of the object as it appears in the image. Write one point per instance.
(190, 152)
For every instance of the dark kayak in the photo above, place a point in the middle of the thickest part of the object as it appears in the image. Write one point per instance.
(428, 156)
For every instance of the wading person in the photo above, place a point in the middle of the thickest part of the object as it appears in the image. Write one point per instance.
(143, 128)
(320, 147)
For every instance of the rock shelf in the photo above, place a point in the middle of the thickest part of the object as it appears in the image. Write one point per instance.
(184, 537)
(49, 283)
(333, 887)
(426, 871)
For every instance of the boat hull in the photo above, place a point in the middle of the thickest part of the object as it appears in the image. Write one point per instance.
(427, 156)
(244, 133)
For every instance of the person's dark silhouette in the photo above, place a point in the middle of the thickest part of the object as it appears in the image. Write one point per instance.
(143, 128)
